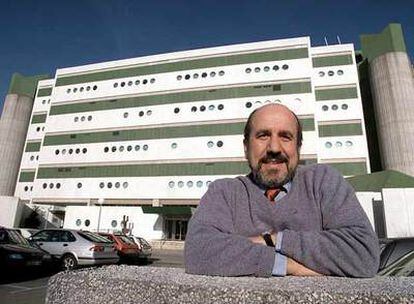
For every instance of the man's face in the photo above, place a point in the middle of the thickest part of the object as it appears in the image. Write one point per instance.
(271, 149)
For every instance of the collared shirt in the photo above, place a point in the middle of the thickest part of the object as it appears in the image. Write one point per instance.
(280, 265)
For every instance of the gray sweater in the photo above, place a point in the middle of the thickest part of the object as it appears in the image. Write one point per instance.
(323, 224)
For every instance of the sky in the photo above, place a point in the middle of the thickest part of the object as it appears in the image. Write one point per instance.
(38, 37)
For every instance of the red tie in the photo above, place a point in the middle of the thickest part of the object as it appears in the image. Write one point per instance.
(271, 194)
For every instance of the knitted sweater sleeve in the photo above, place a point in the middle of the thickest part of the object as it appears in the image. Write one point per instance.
(347, 244)
(213, 248)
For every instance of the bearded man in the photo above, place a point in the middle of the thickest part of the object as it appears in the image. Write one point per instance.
(281, 219)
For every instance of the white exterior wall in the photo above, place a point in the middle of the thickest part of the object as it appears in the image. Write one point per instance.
(10, 210)
(399, 211)
(148, 226)
(366, 199)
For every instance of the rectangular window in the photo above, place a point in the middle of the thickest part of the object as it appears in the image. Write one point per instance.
(38, 118)
(183, 169)
(338, 93)
(33, 147)
(340, 129)
(308, 124)
(44, 92)
(331, 60)
(350, 169)
(27, 176)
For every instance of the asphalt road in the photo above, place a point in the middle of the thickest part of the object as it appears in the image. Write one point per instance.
(30, 287)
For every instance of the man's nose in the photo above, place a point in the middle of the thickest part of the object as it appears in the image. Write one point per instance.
(274, 145)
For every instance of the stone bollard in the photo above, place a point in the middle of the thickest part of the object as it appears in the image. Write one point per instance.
(138, 284)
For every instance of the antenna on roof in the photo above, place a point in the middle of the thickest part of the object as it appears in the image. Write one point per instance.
(338, 39)
(326, 41)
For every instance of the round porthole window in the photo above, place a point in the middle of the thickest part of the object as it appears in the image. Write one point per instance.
(87, 223)
(199, 184)
(145, 147)
(328, 144)
(173, 145)
(79, 185)
(117, 184)
(190, 184)
(344, 106)
(325, 108)
(266, 69)
(180, 184)
(114, 223)
(334, 107)
(248, 104)
(340, 72)
(321, 73)
(171, 184)
(78, 222)
(331, 73)
(210, 144)
(248, 70)
(125, 185)
(348, 143)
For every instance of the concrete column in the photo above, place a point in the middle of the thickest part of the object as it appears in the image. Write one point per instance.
(13, 129)
(392, 87)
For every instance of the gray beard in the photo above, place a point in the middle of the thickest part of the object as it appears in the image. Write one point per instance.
(270, 183)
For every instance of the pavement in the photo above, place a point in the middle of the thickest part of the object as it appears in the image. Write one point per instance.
(30, 287)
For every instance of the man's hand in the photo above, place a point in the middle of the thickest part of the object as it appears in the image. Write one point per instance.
(297, 269)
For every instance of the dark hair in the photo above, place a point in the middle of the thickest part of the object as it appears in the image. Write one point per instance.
(248, 128)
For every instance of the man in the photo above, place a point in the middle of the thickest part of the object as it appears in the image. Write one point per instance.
(315, 221)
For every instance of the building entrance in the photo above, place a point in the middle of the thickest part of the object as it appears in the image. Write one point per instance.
(176, 229)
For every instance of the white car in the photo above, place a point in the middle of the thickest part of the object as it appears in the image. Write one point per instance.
(74, 247)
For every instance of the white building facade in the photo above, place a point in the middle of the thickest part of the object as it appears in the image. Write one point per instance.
(142, 138)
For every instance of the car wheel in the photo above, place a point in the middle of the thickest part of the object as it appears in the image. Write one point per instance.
(69, 262)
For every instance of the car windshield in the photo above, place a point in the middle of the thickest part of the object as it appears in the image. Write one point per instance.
(12, 237)
(143, 241)
(126, 239)
(93, 237)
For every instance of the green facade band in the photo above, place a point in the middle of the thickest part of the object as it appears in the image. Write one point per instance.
(44, 92)
(26, 177)
(339, 93)
(194, 96)
(180, 169)
(308, 124)
(331, 60)
(348, 169)
(38, 118)
(33, 147)
(391, 39)
(186, 65)
(25, 85)
(340, 130)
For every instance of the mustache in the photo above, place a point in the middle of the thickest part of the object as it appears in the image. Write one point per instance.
(274, 157)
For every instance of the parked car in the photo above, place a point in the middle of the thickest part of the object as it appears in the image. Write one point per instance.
(402, 267)
(144, 246)
(16, 253)
(394, 249)
(127, 249)
(27, 232)
(73, 248)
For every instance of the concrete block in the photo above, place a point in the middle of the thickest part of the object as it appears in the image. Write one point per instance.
(135, 284)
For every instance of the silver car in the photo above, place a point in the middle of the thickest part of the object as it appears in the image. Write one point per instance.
(74, 247)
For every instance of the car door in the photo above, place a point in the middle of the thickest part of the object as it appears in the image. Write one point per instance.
(46, 240)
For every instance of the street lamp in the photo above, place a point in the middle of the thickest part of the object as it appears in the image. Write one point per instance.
(100, 203)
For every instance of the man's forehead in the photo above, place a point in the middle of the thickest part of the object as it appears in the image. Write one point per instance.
(274, 115)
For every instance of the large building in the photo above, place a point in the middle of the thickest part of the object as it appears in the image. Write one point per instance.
(133, 144)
